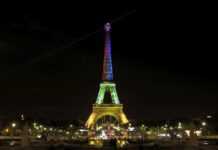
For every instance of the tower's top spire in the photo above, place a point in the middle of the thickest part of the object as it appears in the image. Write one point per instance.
(107, 74)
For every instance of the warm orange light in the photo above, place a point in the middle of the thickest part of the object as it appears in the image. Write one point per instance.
(7, 130)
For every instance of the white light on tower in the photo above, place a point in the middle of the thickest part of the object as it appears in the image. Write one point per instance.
(198, 132)
(39, 136)
(131, 128)
(67, 132)
(179, 135)
(188, 132)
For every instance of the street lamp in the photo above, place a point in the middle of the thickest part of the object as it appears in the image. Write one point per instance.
(7, 130)
(204, 123)
(179, 125)
(13, 125)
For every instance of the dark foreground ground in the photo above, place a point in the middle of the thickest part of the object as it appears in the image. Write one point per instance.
(130, 147)
(203, 144)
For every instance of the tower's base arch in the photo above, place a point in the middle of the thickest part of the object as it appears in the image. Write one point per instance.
(101, 110)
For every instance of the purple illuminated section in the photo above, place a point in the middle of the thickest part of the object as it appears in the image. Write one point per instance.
(107, 74)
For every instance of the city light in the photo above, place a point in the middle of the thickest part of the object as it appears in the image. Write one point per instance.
(39, 136)
(209, 116)
(131, 128)
(98, 128)
(83, 130)
(203, 123)
(179, 136)
(179, 125)
(171, 128)
(22, 117)
(102, 132)
(103, 135)
(6, 130)
(164, 135)
(198, 132)
(13, 125)
(188, 132)
(149, 132)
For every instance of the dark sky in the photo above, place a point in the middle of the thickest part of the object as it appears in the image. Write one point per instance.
(164, 59)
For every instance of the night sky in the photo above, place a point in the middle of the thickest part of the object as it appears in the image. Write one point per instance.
(164, 59)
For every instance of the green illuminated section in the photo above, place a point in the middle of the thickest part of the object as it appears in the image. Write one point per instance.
(107, 87)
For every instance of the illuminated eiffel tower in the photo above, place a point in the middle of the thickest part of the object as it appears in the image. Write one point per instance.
(107, 86)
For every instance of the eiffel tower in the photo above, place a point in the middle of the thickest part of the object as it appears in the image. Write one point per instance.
(107, 86)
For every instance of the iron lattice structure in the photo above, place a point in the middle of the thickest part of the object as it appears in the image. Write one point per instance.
(101, 109)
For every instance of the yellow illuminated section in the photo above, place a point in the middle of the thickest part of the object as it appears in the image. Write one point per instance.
(101, 110)
(123, 118)
(91, 120)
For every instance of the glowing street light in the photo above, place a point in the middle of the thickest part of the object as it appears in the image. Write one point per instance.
(198, 132)
(209, 116)
(179, 125)
(13, 125)
(22, 117)
(39, 136)
(204, 123)
(7, 130)
(67, 132)
(179, 135)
